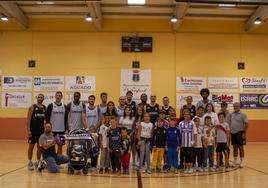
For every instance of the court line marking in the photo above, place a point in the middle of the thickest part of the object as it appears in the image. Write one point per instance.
(9, 172)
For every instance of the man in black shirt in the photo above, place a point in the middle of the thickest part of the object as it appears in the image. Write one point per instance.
(35, 127)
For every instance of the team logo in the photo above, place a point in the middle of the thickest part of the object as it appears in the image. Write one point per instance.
(37, 81)
(8, 80)
(246, 80)
(263, 100)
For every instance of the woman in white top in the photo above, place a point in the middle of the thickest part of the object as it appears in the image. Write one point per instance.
(127, 120)
(209, 109)
(145, 137)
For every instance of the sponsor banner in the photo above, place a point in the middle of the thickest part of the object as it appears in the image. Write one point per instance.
(80, 83)
(192, 84)
(253, 84)
(137, 81)
(48, 83)
(230, 99)
(16, 100)
(181, 99)
(49, 97)
(223, 84)
(17, 83)
(254, 101)
(84, 97)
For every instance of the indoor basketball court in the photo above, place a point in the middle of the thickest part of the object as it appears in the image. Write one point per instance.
(136, 93)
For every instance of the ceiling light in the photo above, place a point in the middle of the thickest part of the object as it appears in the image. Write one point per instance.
(88, 18)
(136, 2)
(174, 19)
(45, 3)
(258, 21)
(227, 5)
(4, 18)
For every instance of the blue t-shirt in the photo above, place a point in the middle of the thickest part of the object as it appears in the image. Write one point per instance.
(173, 137)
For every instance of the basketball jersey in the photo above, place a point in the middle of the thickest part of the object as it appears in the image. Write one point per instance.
(191, 110)
(153, 111)
(127, 123)
(187, 130)
(166, 109)
(37, 119)
(102, 109)
(57, 118)
(146, 129)
(92, 116)
(75, 116)
(120, 112)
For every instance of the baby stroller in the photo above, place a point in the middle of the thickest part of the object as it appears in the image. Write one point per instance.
(80, 142)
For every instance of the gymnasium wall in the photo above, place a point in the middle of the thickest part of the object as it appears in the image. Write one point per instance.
(190, 52)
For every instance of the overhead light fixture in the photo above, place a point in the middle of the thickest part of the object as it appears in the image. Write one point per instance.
(225, 5)
(136, 2)
(45, 3)
(258, 21)
(4, 18)
(88, 18)
(174, 19)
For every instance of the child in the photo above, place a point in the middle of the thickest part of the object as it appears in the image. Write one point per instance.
(145, 137)
(173, 145)
(222, 139)
(104, 159)
(198, 147)
(125, 150)
(159, 143)
(93, 155)
(114, 139)
(127, 120)
(211, 112)
(163, 116)
(200, 113)
(187, 130)
(208, 139)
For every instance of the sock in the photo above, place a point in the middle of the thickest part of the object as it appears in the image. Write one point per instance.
(235, 160)
(241, 160)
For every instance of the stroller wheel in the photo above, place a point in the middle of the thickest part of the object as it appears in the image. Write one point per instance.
(70, 170)
(85, 170)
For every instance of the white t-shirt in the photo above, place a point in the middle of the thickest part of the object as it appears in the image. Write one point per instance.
(146, 130)
(198, 132)
(210, 136)
(127, 123)
(103, 131)
(214, 117)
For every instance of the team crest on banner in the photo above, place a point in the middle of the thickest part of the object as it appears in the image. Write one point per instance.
(137, 81)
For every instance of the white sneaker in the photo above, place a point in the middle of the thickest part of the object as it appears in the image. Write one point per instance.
(190, 171)
(30, 166)
(212, 169)
(241, 165)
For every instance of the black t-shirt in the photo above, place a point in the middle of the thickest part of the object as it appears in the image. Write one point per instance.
(37, 119)
(167, 110)
(192, 110)
(113, 135)
(125, 144)
(159, 137)
(132, 105)
(153, 111)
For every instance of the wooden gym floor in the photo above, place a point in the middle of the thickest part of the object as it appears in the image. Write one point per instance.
(13, 173)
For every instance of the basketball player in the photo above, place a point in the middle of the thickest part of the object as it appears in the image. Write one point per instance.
(204, 92)
(75, 111)
(166, 106)
(35, 128)
(102, 107)
(121, 107)
(91, 114)
(153, 109)
(143, 100)
(189, 106)
(56, 115)
(130, 102)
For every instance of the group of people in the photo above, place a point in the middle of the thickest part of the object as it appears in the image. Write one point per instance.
(139, 131)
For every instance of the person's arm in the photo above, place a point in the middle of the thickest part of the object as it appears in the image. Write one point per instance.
(44, 144)
(29, 116)
(246, 126)
(68, 110)
(178, 140)
(84, 123)
(65, 119)
(153, 138)
(48, 112)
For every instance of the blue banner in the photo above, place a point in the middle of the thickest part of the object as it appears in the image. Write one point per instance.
(254, 101)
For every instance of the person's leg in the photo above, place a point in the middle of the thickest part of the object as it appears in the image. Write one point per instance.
(182, 158)
(169, 158)
(61, 159)
(102, 158)
(161, 152)
(205, 157)
(117, 160)
(199, 157)
(155, 158)
(112, 157)
(51, 165)
(242, 155)
(211, 156)
(38, 152)
(195, 150)
(175, 160)
(235, 154)
(147, 155)
(142, 153)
